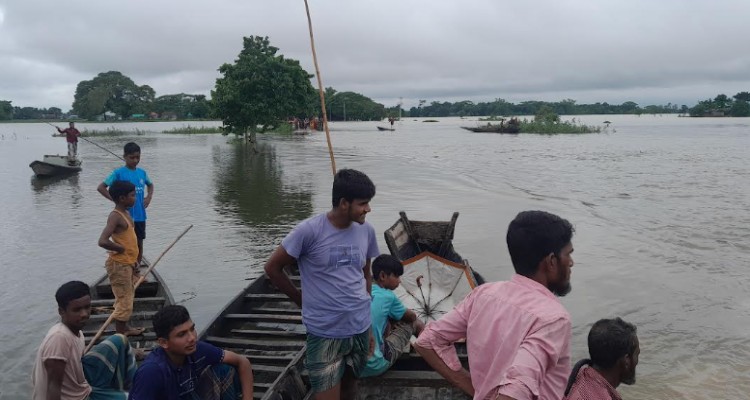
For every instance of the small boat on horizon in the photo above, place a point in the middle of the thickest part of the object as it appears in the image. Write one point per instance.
(381, 128)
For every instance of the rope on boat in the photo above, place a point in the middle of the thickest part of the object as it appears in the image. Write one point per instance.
(320, 89)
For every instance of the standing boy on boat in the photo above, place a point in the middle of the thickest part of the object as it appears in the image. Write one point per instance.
(184, 368)
(62, 372)
(333, 251)
(120, 239)
(392, 324)
(614, 351)
(71, 136)
(138, 177)
(517, 332)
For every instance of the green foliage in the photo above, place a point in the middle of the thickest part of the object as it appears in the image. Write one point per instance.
(26, 113)
(546, 115)
(112, 132)
(740, 108)
(182, 105)
(260, 89)
(111, 91)
(564, 107)
(743, 96)
(351, 106)
(546, 121)
(6, 110)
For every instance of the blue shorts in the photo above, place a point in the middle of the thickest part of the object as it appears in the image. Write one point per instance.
(140, 229)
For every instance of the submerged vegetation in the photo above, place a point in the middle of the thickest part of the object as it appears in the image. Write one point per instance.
(547, 121)
(112, 132)
(190, 130)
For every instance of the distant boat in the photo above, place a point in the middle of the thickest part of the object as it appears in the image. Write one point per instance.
(55, 165)
(380, 128)
(513, 126)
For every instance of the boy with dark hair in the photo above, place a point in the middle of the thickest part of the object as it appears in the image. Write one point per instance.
(333, 251)
(62, 372)
(183, 368)
(392, 324)
(614, 351)
(138, 177)
(517, 332)
(118, 236)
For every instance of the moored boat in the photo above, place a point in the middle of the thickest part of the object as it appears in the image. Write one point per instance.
(265, 326)
(380, 128)
(55, 165)
(151, 296)
(513, 126)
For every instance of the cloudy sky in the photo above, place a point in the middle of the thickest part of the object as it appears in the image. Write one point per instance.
(647, 51)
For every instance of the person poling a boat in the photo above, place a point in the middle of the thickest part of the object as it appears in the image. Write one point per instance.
(120, 239)
(392, 324)
(518, 333)
(333, 251)
(60, 373)
(71, 136)
(184, 368)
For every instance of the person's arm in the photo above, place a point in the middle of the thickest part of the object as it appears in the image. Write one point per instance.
(104, 240)
(539, 352)
(411, 317)
(245, 372)
(102, 189)
(367, 272)
(275, 270)
(435, 344)
(59, 130)
(150, 194)
(55, 370)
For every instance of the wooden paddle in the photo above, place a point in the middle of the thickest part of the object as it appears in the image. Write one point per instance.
(135, 286)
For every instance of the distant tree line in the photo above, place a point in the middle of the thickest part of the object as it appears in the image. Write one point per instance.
(723, 106)
(564, 107)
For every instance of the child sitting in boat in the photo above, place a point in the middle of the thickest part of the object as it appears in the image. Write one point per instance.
(392, 324)
(119, 238)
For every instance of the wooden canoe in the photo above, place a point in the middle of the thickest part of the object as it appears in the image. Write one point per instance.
(55, 165)
(265, 326)
(151, 296)
(380, 128)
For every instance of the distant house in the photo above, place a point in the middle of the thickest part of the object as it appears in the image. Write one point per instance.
(138, 116)
(169, 115)
(153, 115)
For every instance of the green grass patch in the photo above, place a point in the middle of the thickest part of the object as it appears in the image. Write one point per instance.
(191, 130)
(556, 127)
(112, 132)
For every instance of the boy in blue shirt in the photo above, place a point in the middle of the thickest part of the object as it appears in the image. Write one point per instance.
(138, 177)
(184, 368)
(392, 323)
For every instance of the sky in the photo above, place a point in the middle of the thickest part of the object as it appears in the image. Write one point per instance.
(647, 51)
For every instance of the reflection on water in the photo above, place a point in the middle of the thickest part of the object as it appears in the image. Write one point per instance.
(251, 185)
(40, 184)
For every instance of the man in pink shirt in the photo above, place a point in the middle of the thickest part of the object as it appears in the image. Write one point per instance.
(517, 332)
(614, 350)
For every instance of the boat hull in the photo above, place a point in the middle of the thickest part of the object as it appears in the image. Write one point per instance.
(55, 166)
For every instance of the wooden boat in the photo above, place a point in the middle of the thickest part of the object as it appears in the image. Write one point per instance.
(55, 165)
(513, 126)
(411, 377)
(151, 296)
(380, 128)
(265, 326)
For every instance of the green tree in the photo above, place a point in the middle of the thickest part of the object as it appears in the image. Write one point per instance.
(260, 89)
(744, 96)
(740, 108)
(111, 91)
(353, 106)
(6, 110)
(546, 115)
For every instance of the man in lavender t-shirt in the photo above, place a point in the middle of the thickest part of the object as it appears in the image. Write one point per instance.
(333, 251)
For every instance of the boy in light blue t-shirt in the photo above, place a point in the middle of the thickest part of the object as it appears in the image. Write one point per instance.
(138, 177)
(392, 324)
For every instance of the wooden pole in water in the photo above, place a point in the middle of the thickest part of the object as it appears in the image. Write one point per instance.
(135, 286)
(320, 89)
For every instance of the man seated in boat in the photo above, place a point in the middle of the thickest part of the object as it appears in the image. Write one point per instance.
(62, 372)
(392, 324)
(517, 332)
(333, 251)
(184, 368)
(614, 350)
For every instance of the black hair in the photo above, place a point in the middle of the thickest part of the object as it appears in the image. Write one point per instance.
(168, 318)
(70, 291)
(388, 264)
(533, 235)
(351, 184)
(609, 340)
(120, 188)
(131, 148)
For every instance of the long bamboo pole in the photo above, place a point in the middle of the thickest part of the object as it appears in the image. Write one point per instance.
(135, 286)
(92, 142)
(320, 90)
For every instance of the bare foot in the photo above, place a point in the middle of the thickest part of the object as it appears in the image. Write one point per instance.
(133, 331)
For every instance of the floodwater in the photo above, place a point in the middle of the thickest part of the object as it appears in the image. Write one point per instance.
(660, 205)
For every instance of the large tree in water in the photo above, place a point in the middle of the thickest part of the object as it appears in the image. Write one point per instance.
(260, 90)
